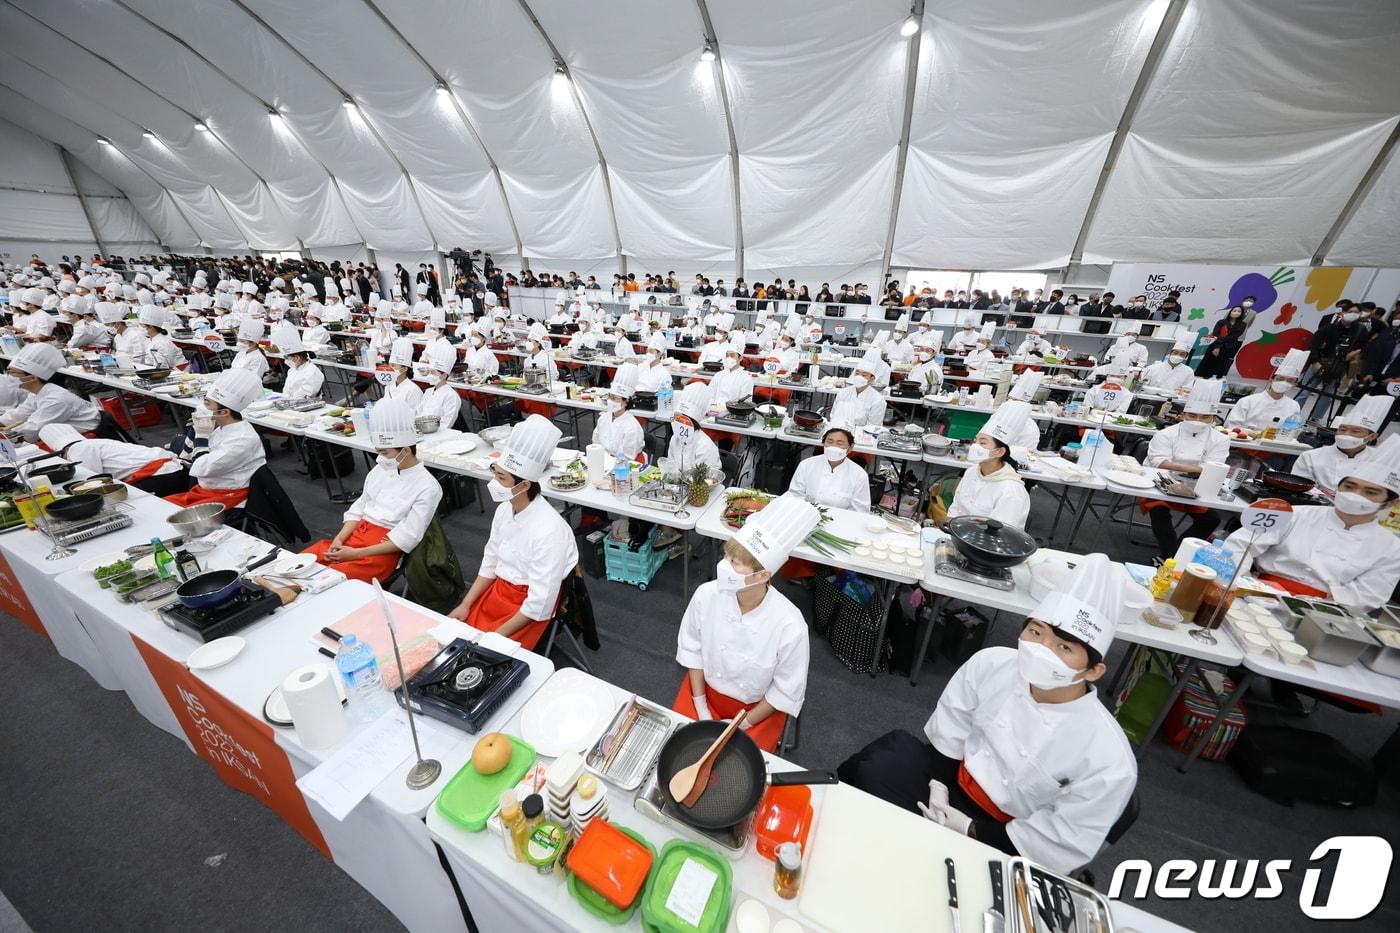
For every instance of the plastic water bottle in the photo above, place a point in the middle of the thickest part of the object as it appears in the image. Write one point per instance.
(664, 396)
(363, 685)
(1292, 427)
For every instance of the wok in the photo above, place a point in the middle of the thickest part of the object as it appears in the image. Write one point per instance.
(740, 407)
(738, 779)
(56, 472)
(988, 543)
(1288, 482)
(710, 366)
(72, 508)
(807, 418)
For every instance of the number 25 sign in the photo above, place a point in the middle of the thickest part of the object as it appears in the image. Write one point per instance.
(1267, 516)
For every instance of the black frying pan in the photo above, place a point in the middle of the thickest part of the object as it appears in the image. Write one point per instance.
(737, 780)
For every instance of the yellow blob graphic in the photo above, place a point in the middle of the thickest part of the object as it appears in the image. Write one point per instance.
(1325, 285)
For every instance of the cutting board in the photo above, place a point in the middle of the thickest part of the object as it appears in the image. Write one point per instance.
(874, 866)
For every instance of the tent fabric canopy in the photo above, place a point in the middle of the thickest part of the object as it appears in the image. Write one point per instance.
(1252, 134)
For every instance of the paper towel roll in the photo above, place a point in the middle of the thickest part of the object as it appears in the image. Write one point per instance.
(1187, 550)
(314, 703)
(1212, 475)
(596, 459)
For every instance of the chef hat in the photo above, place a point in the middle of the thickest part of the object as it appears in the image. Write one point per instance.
(107, 312)
(200, 302)
(249, 288)
(72, 305)
(277, 283)
(1185, 343)
(391, 424)
(39, 359)
(290, 341)
(871, 362)
(625, 381)
(490, 299)
(970, 320)
(1204, 397)
(1026, 385)
(437, 318)
(1369, 413)
(422, 289)
(223, 301)
(346, 284)
(235, 389)
(1086, 604)
(58, 436)
(694, 401)
(1292, 364)
(657, 342)
(160, 278)
(1008, 422)
(529, 446)
(442, 357)
(537, 332)
(1381, 468)
(988, 331)
(33, 296)
(401, 353)
(129, 292)
(383, 310)
(771, 533)
(279, 302)
(308, 289)
(139, 278)
(67, 286)
(251, 330)
(255, 308)
(329, 284)
(152, 316)
(902, 323)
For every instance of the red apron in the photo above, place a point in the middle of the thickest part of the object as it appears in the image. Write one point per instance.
(530, 407)
(1292, 586)
(232, 498)
(498, 604)
(147, 471)
(766, 734)
(978, 796)
(365, 534)
(1147, 505)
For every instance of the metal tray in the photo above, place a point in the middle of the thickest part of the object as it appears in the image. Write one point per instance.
(1090, 911)
(1333, 639)
(641, 744)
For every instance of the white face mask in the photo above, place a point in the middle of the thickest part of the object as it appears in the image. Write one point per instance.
(730, 362)
(1348, 442)
(614, 405)
(1176, 360)
(1352, 503)
(1350, 318)
(390, 464)
(977, 454)
(834, 454)
(500, 493)
(1246, 304)
(1193, 428)
(1132, 338)
(1279, 386)
(1041, 667)
(859, 382)
(729, 580)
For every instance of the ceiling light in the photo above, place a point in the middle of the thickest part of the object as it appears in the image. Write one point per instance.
(103, 141)
(348, 104)
(273, 115)
(709, 54)
(910, 26)
(201, 128)
(559, 73)
(443, 91)
(148, 135)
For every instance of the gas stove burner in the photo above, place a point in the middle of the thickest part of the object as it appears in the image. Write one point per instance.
(797, 429)
(904, 443)
(465, 684)
(469, 678)
(735, 421)
(1252, 489)
(949, 563)
(248, 606)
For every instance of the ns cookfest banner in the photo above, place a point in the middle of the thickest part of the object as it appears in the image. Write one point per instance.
(1288, 301)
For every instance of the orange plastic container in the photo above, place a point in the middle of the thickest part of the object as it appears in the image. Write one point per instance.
(610, 862)
(784, 815)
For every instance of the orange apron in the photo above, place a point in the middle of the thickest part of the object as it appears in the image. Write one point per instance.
(365, 534)
(766, 734)
(978, 796)
(1292, 586)
(1147, 505)
(495, 607)
(149, 470)
(531, 407)
(231, 498)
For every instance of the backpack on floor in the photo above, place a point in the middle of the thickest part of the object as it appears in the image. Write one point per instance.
(1288, 764)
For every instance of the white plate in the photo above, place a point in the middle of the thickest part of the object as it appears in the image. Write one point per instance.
(458, 447)
(1131, 480)
(294, 565)
(561, 457)
(567, 714)
(217, 653)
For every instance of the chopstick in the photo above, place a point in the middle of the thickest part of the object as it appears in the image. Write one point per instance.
(1023, 903)
(622, 734)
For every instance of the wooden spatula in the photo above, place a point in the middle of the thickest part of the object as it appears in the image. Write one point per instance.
(689, 783)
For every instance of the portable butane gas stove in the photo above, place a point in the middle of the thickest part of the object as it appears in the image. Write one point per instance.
(250, 605)
(948, 562)
(465, 684)
(1252, 489)
(652, 801)
(900, 442)
(798, 430)
(735, 421)
(111, 518)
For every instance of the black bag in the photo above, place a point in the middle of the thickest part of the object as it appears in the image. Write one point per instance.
(1288, 764)
(850, 628)
(964, 632)
(329, 460)
(590, 553)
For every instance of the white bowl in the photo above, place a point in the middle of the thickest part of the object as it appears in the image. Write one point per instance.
(1291, 652)
(1046, 575)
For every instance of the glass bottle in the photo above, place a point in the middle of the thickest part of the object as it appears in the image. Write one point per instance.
(513, 822)
(787, 870)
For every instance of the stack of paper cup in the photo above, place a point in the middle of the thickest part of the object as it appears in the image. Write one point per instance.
(596, 458)
(314, 703)
(1212, 475)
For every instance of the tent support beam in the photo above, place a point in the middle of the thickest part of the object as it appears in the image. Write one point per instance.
(723, 86)
(1165, 31)
(578, 102)
(1363, 188)
(911, 78)
(67, 161)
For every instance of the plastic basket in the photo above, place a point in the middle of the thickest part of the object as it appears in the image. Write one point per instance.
(638, 567)
(963, 425)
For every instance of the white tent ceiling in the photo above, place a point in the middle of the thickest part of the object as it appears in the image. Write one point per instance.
(1256, 123)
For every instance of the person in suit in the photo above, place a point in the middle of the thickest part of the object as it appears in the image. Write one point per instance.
(1053, 305)
(401, 275)
(1168, 310)
(1093, 306)
(980, 301)
(1110, 306)
(1227, 336)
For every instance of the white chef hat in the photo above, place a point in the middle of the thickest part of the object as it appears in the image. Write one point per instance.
(255, 308)
(969, 319)
(903, 322)
(235, 389)
(58, 436)
(329, 284)
(1292, 363)
(1381, 468)
(1086, 604)
(152, 316)
(442, 357)
(422, 289)
(224, 301)
(538, 332)
(1369, 413)
(1204, 397)
(277, 283)
(129, 293)
(1026, 385)
(401, 353)
(107, 312)
(139, 278)
(35, 297)
(529, 446)
(71, 305)
(391, 424)
(771, 533)
(308, 289)
(657, 342)
(490, 299)
(694, 401)
(39, 359)
(383, 310)
(1008, 422)
(1185, 343)
(289, 341)
(248, 288)
(624, 381)
(67, 286)
(279, 302)
(437, 318)
(251, 330)
(988, 332)
(871, 362)
(160, 278)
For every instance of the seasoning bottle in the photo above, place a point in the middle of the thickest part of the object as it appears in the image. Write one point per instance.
(1162, 580)
(1191, 589)
(787, 870)
(513, 821)
(186, 565)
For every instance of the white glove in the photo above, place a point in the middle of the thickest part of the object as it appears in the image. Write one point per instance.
(937, 801)
(702, 708)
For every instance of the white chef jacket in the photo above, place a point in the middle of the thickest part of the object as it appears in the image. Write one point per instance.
(1167, 378)
(1001, 496)
(1358, 566)
(730, 385)
(408, 392)
(131, 341)
(40, 324)
(533, 548)
(161, 352)
(381, 339)
(1063, 772)
(846, 487)
(90, 334)
(758, 655)
(901, 351)
(403, 501)
(623, 347)
(980, 358)
(854, 408)
(483, 361)
(1173, 443)
(584, 340)
(1034, 346)
(963, 341)
(52, 404)
(652, 378)
(726, 320)
(252, 360)
(1258, 410)
(700, 450)
(228, 458)
(620, 436)
(10, 392)
(788, 360)
(920, 371)
(121, 459)
(314, 336)
(303, 381)
(227, 321)
(442, 401)
(1114, 400)
(1327, 466)
(713, 352)
(1121, 359)
(333, 313)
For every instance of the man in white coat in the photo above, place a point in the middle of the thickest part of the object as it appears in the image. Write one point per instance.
(1275, 404)
(1171, 376)
(1355, 441)
(1186, 447)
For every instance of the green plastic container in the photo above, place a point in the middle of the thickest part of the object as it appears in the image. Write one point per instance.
(655, 915)
(601, 907)
(470, 798)
(964, 425)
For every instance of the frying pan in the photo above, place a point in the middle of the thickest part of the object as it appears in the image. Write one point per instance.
(806, 418)
(216, 587)
(1288, 482)
(8, 477)
(60, 472)
(737, 781)
(72, 508)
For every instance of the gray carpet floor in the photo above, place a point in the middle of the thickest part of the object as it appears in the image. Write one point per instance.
(108, 822)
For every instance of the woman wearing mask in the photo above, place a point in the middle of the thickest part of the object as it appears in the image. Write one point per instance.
(925, 371)
(42, 400)
(1171, 376)
(860, 403)
(1109, 396)
(222, 450)
(531, 549)
(481, 361)
(1125, 355)
(900, 349)
(158, 351)
(732, 382)
(786, 353)
(1035, 344)
(249, 355)
(392, 514)
(690, 446)
(621, 344)
(1022, 754)
(618, 430)
(654, 374)
(965, 340)
(1338, 552)
(441, 399)
(380, 337)
(403, 387)
(1184, 448)
(981, 356)
(831, 478)
(129, 337)
(743, 644)
(586, 337)
(991, 487)
(304, 378)
(1226, 337)
(1274, 405)
(539, 356)
(1354, 443)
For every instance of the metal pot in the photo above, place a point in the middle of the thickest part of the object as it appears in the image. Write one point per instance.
(807, 418)
(1288, 482)
(988, 543)
(937, 443)
(197, 520)
(73, 508)
(426, 424)
(740, 408)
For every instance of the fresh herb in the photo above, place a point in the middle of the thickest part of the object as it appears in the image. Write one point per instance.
(111, 570)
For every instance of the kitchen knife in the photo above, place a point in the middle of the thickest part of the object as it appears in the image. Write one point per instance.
(994, 920)
(953, 896)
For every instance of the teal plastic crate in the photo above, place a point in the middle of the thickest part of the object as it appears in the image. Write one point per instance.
(638, 567)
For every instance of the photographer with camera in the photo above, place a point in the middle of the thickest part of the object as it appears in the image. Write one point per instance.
(1334, 347)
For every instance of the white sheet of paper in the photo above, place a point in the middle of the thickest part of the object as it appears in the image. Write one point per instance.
(344, 779)
(691, 892)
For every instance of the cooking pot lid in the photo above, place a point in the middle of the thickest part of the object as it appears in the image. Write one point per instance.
(991, 536)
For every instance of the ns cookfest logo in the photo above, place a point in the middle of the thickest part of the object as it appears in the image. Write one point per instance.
(1343, 879)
